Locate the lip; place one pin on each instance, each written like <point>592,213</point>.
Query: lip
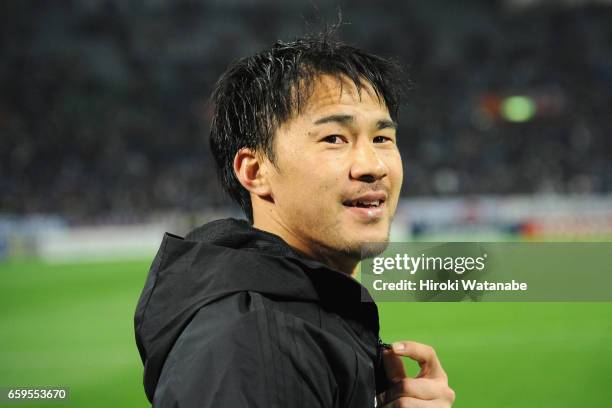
<point>371,213</point>
<point>368,213</point>
<point>370,196</point>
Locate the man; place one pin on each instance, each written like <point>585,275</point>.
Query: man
<point>267,313</point>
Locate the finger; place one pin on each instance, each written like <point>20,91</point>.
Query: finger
<point>394,368</point>
<point>421,388</point>
<point>409,402</point>
<point>423,354</point>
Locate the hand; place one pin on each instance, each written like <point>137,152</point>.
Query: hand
<point>430,387</point>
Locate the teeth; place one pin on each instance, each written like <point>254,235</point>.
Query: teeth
<point>374,203</point>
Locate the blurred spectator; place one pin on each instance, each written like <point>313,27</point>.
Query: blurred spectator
<point>104,104</point>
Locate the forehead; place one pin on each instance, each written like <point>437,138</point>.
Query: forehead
<point>330,92</point>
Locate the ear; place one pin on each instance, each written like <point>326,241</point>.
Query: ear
<point>249,168</point>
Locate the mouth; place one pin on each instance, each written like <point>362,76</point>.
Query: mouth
<point>368,206</point>
<point>359,203</point>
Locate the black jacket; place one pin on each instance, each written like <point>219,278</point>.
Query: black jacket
<point>232,317</point>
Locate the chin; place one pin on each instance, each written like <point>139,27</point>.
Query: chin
<point>372,249</point>
<point>369,243</point>
<point>378,232</point>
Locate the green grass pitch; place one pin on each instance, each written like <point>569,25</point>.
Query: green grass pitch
<point>70,325</point>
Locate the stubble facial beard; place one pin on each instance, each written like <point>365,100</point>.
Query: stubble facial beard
<point>346,249</point>
<point>359,251</point>
<point>372,249</point>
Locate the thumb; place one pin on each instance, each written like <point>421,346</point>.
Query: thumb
<point>394,368</point>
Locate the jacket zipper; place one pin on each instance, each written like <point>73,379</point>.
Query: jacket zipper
<point>379,350</point>
<point>381,380</point>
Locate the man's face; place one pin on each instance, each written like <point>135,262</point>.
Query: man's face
<point>338,170</point>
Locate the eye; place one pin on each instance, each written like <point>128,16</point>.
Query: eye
<point>334,139</point>
<point>382,139</point>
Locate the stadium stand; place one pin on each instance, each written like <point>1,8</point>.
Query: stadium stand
<point>104,105</point>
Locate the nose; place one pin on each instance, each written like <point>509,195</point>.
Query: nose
<point>366,164</point>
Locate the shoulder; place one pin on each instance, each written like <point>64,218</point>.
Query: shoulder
<point>240,343</point>
<point>250,325</point>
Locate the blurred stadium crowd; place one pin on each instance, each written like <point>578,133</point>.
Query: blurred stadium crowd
<point>104,104</point>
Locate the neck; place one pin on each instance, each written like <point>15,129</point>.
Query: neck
<point>335,260</point>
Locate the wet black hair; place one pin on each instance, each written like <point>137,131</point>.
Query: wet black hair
<point>257,94</point>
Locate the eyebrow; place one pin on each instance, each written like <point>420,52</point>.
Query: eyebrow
<point>345,120</point>
<point>348,120</point>
<point>386,123</point>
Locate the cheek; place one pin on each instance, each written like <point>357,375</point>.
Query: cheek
<point>308,179</point>
<point>300,188</point>
<point>396,176</point>
<point>396,170</point>
<point>310,201</point>
<point>318,173</point>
